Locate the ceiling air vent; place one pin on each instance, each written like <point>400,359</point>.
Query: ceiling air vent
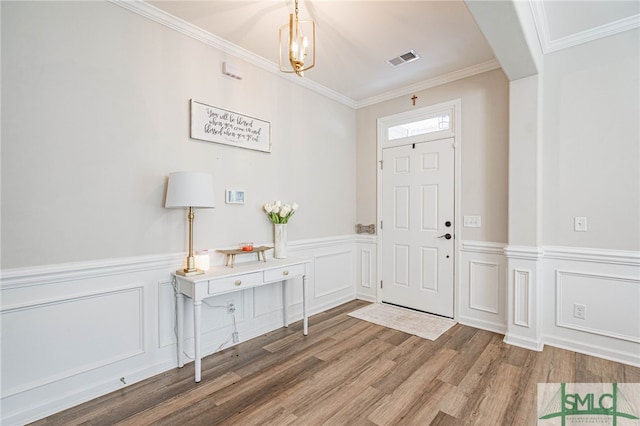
<point>410,56</point>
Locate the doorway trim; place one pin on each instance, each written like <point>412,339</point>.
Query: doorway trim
<point>455,132</point>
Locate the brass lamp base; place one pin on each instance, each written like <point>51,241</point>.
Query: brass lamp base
<point>191,261</point>
<point>188,273</point>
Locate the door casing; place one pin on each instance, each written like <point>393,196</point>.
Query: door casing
<point>383,123</point>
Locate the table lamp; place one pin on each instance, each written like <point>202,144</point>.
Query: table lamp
<point>192,190</point>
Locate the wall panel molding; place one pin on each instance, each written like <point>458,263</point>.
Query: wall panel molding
<point>482,293</point>
<point>522,297</point>
<point>166,297</point>
<point>624,288</point>
<point>322,269</point>
<point>366,271</point>
<point>67,317</point>
<point>367,268</point>
<point>525,302</point>
<point>482,286</point>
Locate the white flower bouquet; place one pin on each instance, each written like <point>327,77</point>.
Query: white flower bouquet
<point>280,213</point>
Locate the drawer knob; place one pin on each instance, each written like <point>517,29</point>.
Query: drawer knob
<point>285,272</point>
<point>238,282</point>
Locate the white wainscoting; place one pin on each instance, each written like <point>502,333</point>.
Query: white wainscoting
<point>73,332</point>
<point>607,284</point>
<point>366,269</point>
<point>482,286</point>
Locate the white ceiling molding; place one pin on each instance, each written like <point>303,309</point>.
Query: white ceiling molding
<point>432,82</point>
<point>552,45</point>
<point>153,13</point>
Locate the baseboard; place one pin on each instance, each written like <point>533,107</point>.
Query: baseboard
<point>524,342</point>
<point>366,298</point>
<point>483,325</point>
<point>330,305</point>
<point>593,350</point>
<point>79,396</point>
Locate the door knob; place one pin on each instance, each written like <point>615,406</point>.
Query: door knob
<point>446,236</point>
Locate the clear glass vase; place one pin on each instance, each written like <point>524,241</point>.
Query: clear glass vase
<point>280,240</point>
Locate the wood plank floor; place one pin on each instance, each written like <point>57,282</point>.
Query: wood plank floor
<point>351,372</point>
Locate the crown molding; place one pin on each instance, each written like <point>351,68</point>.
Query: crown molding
<point>592,34</point>
<point>157,15</point>
<point>151,12</point>
<point>550,45</point>
<point>432,82</point>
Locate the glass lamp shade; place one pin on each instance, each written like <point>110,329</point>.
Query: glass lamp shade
<point>190,189</point>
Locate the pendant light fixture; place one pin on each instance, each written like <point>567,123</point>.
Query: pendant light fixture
<point>296,48</point>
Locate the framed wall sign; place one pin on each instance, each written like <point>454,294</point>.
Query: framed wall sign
<point>212,124</point>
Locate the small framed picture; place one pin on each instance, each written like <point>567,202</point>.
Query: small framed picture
<point>234,196</point>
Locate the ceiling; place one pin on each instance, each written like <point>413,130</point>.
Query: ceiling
<point>355,38</point>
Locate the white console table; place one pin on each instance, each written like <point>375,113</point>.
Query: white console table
<point>222,280</point>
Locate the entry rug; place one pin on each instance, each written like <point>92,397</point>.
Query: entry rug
<point>417,323</point>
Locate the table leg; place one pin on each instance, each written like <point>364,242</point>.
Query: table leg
<point>197,313</point>
<point>305,320</point>
<point>285,302</point>
<point>180,327</point>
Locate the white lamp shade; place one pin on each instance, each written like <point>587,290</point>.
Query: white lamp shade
<point>190,189</point>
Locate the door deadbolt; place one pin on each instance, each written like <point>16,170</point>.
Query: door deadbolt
<point>447,224</point>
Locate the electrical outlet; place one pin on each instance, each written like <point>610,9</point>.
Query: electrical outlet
<point>472,221</point>
<point>231,308</point>
<point>580,224</point>
<point>235,337</point>
<point>579,311</point>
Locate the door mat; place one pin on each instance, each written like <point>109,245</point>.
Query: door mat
<point>405,320</point>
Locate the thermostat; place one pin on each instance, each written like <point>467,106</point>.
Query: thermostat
<point>234,196</point>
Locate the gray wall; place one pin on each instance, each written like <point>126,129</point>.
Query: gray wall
<point>484,140</point>
<point>95,103</point>
<point>592,143</point>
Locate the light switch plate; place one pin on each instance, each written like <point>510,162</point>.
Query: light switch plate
<point>472,221</point>
<point>580,224</point>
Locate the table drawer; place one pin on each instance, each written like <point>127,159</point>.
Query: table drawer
<point>283,273</point>
<point>222,285</point>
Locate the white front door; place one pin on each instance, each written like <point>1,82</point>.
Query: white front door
<point>418,229</point>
